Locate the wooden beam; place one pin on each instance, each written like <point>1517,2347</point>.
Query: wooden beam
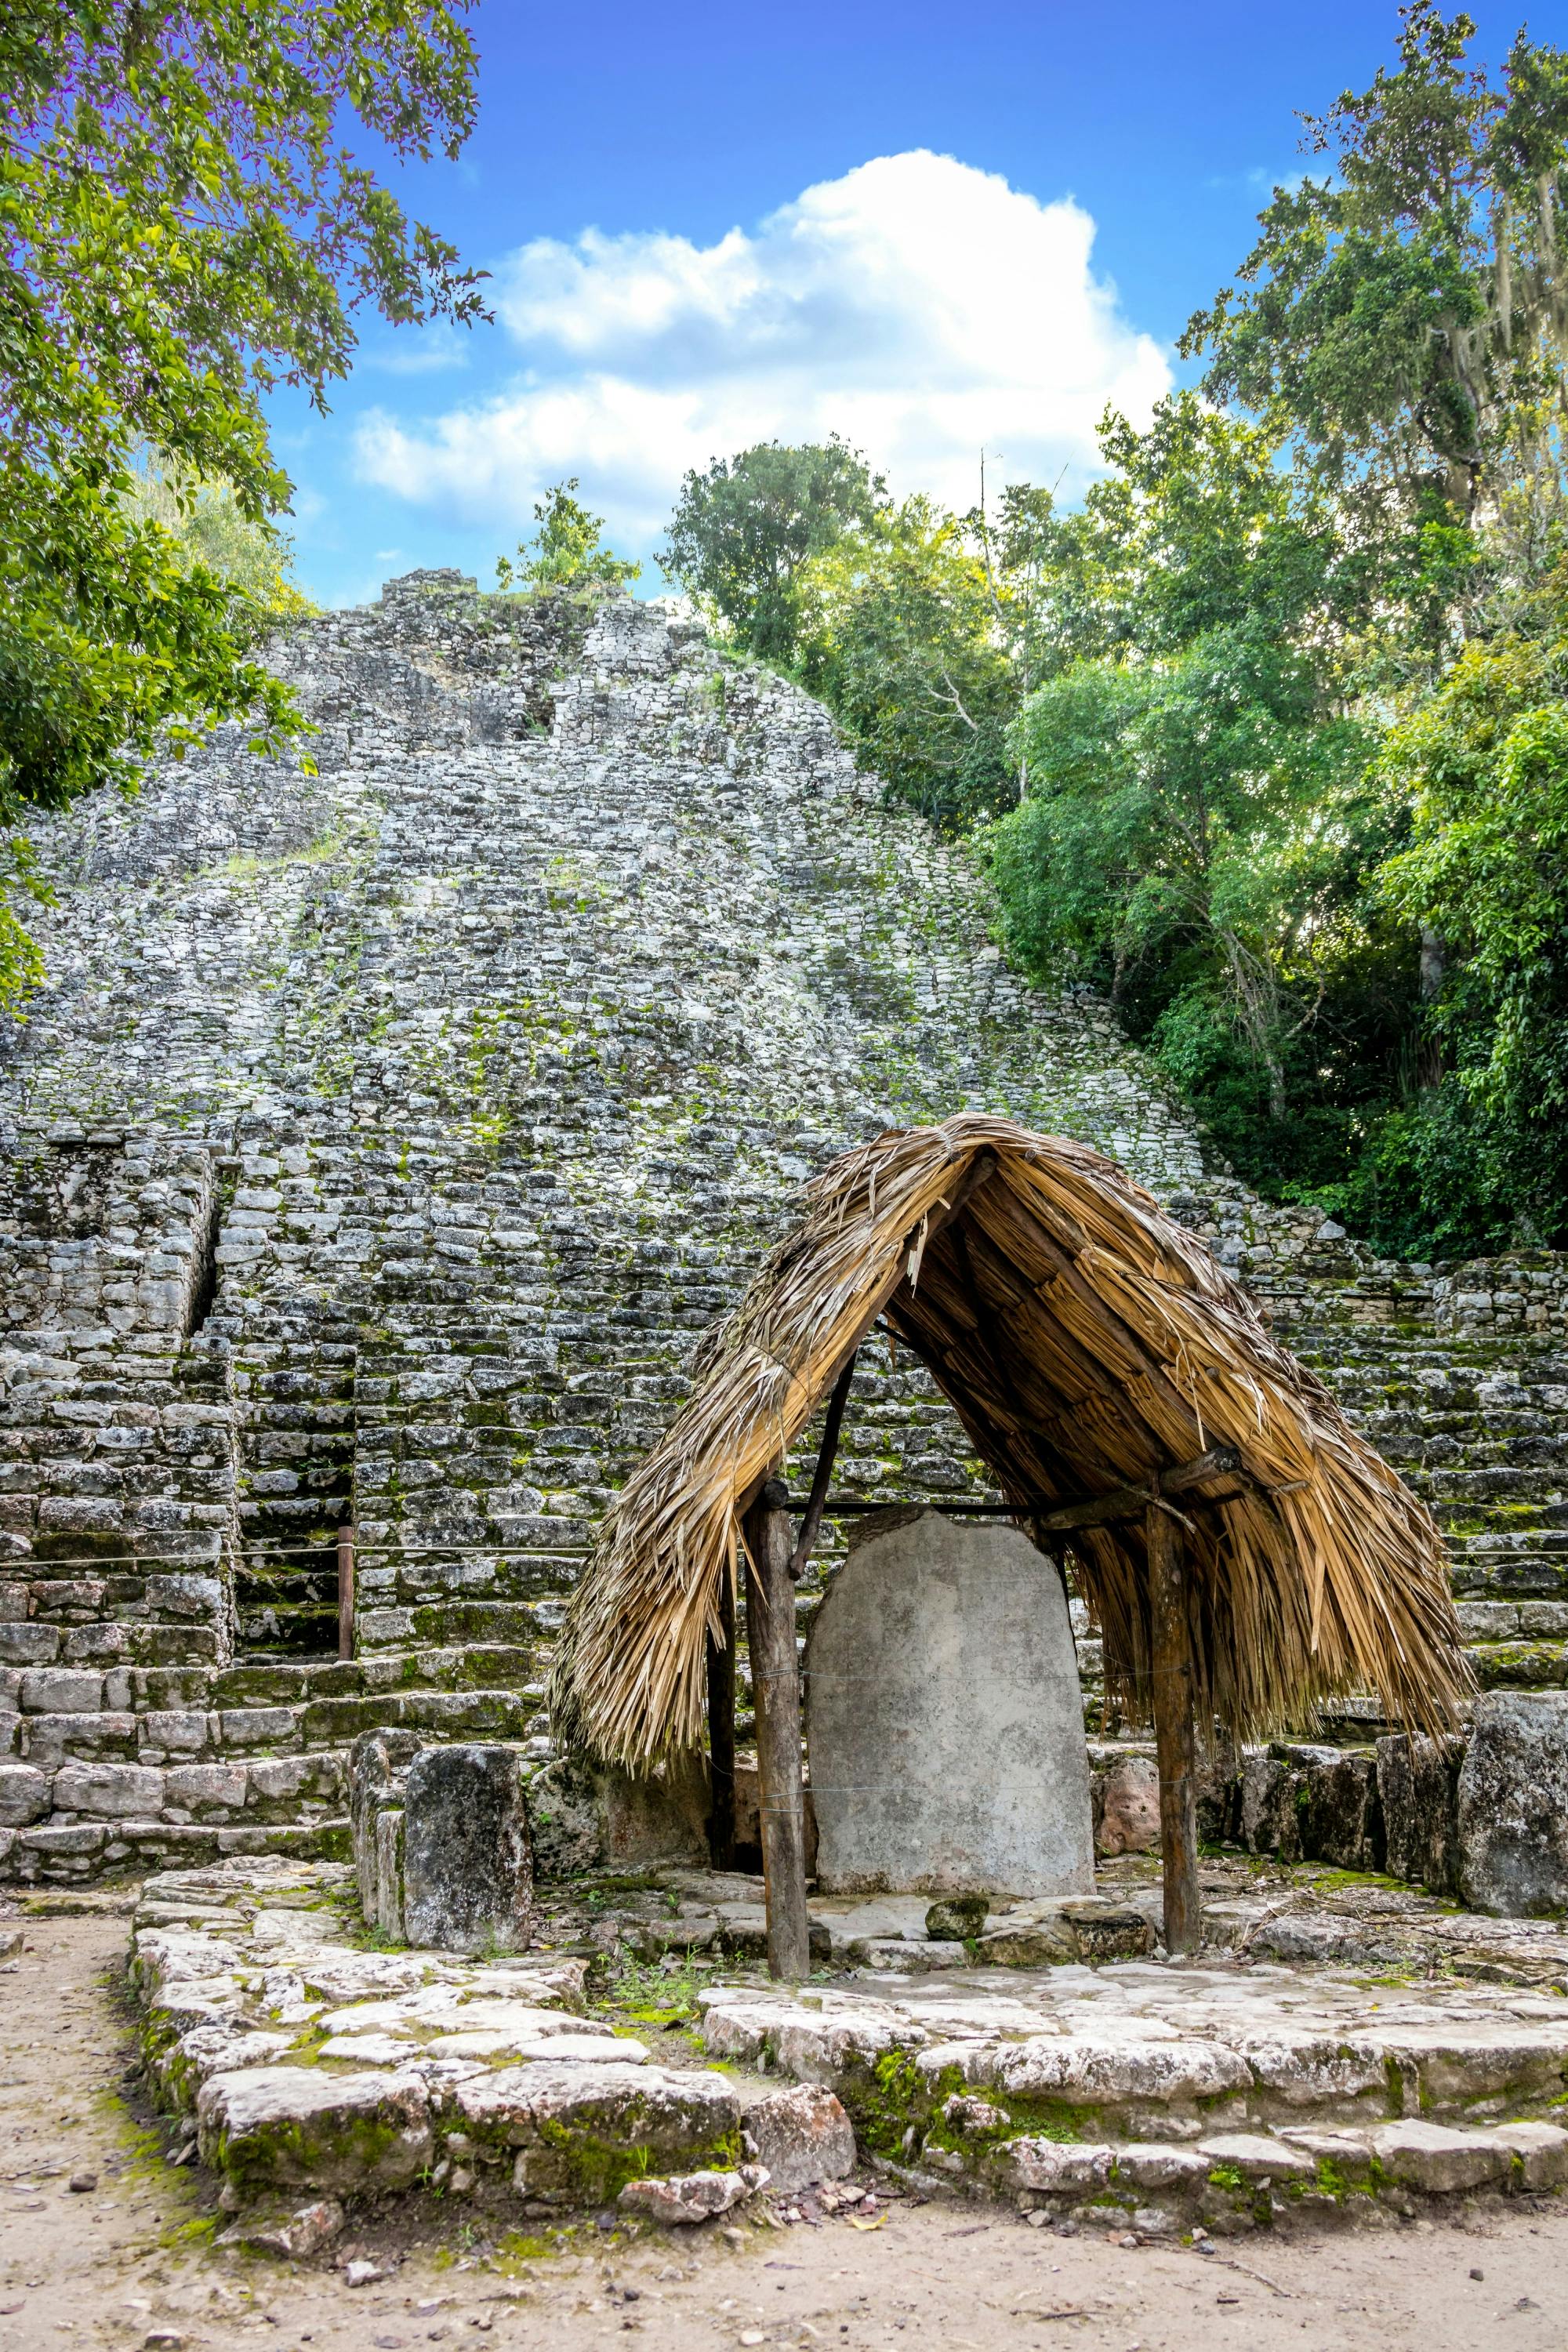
<point>775,1685</point>
<point>811,1524</point>
<point>1129,1502</point>
<point>1175,1729</point>
<point>721,1734</point>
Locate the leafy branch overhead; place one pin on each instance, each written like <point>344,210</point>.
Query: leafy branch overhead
<point>182,231</point>
<point>1268,737</point>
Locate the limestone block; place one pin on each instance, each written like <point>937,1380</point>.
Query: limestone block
<point>577,2127</point>
<point>24,1795</point>
<point>944,1717</point>
<point>1419,1792</point>
<point>1256,2156</point>
<point>1100,2071</point>
<point>1540,2151</point>
<point>1343,1815</point>
<point>386,1908</point>
<point>25,1644</point>
<point>180,1731</point>
<point>121,1791</point>
<point>585,1818</point>
<point>1513,1805</point>
<point>691,2196</point>
<point>61,1690</point>
<point>1433,2158</point>
<point>1271,1814</point>
<point>202,1788</point>
<point>1154,2164</point>
<point>468,1865</point>
<point>1055,2165</point>
<point>377,1763</point>
<point>800,2134</point>
<point>300,2127</point>
<point>1127,1811</point>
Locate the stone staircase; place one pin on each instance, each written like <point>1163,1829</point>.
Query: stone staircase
<point>455,1088</point>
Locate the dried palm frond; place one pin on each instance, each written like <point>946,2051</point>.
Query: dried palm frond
<point>1087,1342</point>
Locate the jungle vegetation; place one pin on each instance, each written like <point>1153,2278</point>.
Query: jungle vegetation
<point>1268,737</point>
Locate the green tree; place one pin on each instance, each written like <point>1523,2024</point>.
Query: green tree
<point>567,550</point>
<point>1407,311</point>
<point>743,531</point>
<point>207,527</point>
<point>1483,763</point>
<point>895,630</point>
<point>180,233</point>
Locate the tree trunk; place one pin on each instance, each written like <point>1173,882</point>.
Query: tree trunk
<point>722,1737</point>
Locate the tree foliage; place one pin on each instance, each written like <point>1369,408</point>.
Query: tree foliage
<point>895,629</point>
<point>743,532</point>
<point>180,233</point>
<point>567,550</point>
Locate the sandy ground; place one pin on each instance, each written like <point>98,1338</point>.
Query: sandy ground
<point>127,2263</point>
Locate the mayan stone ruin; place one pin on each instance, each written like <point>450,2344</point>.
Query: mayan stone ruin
<point>390,1128</point>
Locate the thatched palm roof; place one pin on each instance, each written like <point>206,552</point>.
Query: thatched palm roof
<point>1088,1344</point>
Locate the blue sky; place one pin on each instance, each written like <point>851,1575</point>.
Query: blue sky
<point>936,229</point>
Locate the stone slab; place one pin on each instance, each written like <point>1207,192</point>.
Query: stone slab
<point>467,1865</point>
<point>945,1719</point>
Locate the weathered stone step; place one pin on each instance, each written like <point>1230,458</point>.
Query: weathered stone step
<point>70,1854</point>
<point>1520,1666</point>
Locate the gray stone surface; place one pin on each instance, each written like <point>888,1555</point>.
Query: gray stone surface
<point>1513,1805</point>
<point>1418,1793</point>
<point>800,2134</point>
<point>945,1717</point>
<point>468,1867</point>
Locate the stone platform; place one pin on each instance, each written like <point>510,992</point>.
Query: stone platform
<point>310,2067</point>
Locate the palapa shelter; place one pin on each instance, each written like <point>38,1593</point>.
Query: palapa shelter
<point>1238,1545</point>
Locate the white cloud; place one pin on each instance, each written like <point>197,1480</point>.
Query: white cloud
<point>921,307</point>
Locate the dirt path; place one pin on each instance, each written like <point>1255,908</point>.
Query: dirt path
<point>126,2263</point>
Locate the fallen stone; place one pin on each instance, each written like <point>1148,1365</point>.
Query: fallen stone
<point>1128,1808</point>
<point>802,2134</point>
<point>1513,1805</point>
<point>296,2235</point>
<point>468,1865</point>
<point>954,1918</point>
<point>1431,2156</point>
<point>691,2196</point>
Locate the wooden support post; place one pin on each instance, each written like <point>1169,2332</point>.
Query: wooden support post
<point>345,1592</point>
<point>811,1526</point>
<point>1175,1730</point>
<point>722,1735</point>
<point>775,1684</point>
